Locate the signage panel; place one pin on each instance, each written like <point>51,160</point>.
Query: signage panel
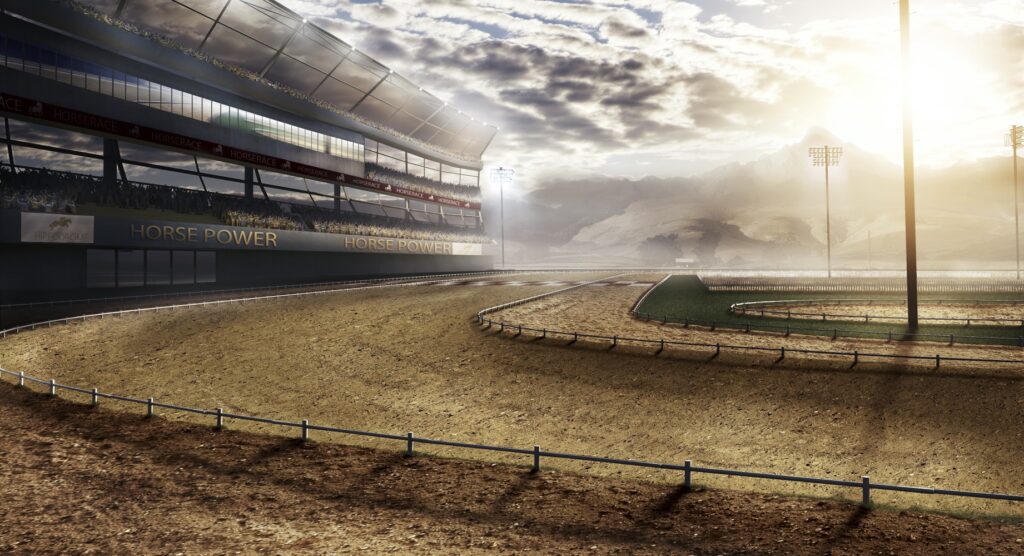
<point>39,227</point>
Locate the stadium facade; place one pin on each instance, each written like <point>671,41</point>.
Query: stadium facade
<point>168,144</point>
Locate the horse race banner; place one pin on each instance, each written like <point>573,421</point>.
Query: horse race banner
<point>56,228</point>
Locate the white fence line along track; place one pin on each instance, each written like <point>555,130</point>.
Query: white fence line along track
<point>760,308</point>
<point>310,285</point>
<point>865,485</point>
<point>858,284</point>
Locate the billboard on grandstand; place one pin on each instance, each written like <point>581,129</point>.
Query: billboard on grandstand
<point>56,228</point>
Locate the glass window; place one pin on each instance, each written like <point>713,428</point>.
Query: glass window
<point>99,268</point>
<point>184,267</point>
<point>158,268</point>
<point>206,267</point>
<point>131,268</point>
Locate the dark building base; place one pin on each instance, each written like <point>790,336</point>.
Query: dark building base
<point>53,272</point>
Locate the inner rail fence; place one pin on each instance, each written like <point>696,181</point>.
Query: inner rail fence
<point>482,319</point>
<point>765,309</point>
<point>859,284</point>
<point>536,453</point>
<point>836,333</point>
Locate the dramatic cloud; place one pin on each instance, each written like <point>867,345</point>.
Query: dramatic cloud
<point>680,87</point>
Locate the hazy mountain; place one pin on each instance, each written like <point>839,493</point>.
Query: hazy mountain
<point>771,212</point>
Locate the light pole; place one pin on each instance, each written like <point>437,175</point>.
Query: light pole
<point>502,175</point>
<point>826,156</point>
<point>908,168</point>
<point>1016,141</point>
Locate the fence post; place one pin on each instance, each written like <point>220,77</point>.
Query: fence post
<point>950,339</point>
<point>865,498</point>
<point>938,360</point>
<point>305,430</point>
<point>615,341</point>
<point>95,397</point>
<point>21,378</point>
<point>782,353</point>
<point>53,388</point>
<point>544,334</point>
<point>149,407</point>
<point>856,356</point>
<point>408,444</point>
<point>662,348</point>
<point>575,337</point>
<point>536,459</point>
<point>787,330</point>
<point>718,349</point>
<point>220,419</point>
<point>687,465</point>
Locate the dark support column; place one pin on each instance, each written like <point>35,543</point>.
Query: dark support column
<point>111,158</point>
<point>248,182</point>
<point>10,148</point>
<point>337,198</point>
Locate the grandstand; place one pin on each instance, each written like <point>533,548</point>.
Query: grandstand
<point>145,140</point>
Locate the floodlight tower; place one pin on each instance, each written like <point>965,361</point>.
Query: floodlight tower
<point>826,156</point>
<point>910,216</point>
<point>1016,140</point>
<point>503,175</point>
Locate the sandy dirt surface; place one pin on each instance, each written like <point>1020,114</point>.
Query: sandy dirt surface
<point>980,313</point>
<point>410,359</point>
<point>122,484</point>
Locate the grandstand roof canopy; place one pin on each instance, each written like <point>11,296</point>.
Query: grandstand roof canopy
<point>266,38</point>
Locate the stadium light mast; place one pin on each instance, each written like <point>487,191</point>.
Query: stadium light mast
<point>1016,140</point>
<point>502,175</point>
<point>908,168</point>
<point>826,156</point>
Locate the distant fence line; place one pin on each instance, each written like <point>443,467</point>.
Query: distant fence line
<point>310,285</point>
<point>857,284</point>
<point>764,309</point>
<point>482,319</point>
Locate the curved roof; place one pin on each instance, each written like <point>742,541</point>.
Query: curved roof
<point>266,38</point>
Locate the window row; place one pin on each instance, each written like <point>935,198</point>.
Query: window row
<point>98,79</point>
<point>398,159</point>
<point>127,268</point>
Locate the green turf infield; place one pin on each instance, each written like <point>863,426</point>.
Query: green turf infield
<point>684,298</point>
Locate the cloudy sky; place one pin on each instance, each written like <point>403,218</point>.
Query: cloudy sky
<point>669,88</point>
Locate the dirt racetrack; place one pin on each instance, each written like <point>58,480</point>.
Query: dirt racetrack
<point>85,481</point>
<point>409,359</point>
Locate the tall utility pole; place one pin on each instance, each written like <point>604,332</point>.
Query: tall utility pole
<point>908,168</point>
<point>826,156</point>
<point>502,175</point>
<point>1016,141</point>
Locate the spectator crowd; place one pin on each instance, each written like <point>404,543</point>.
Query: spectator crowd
<point>398,178</point>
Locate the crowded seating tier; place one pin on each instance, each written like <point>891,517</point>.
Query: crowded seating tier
<point>398,178</point>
